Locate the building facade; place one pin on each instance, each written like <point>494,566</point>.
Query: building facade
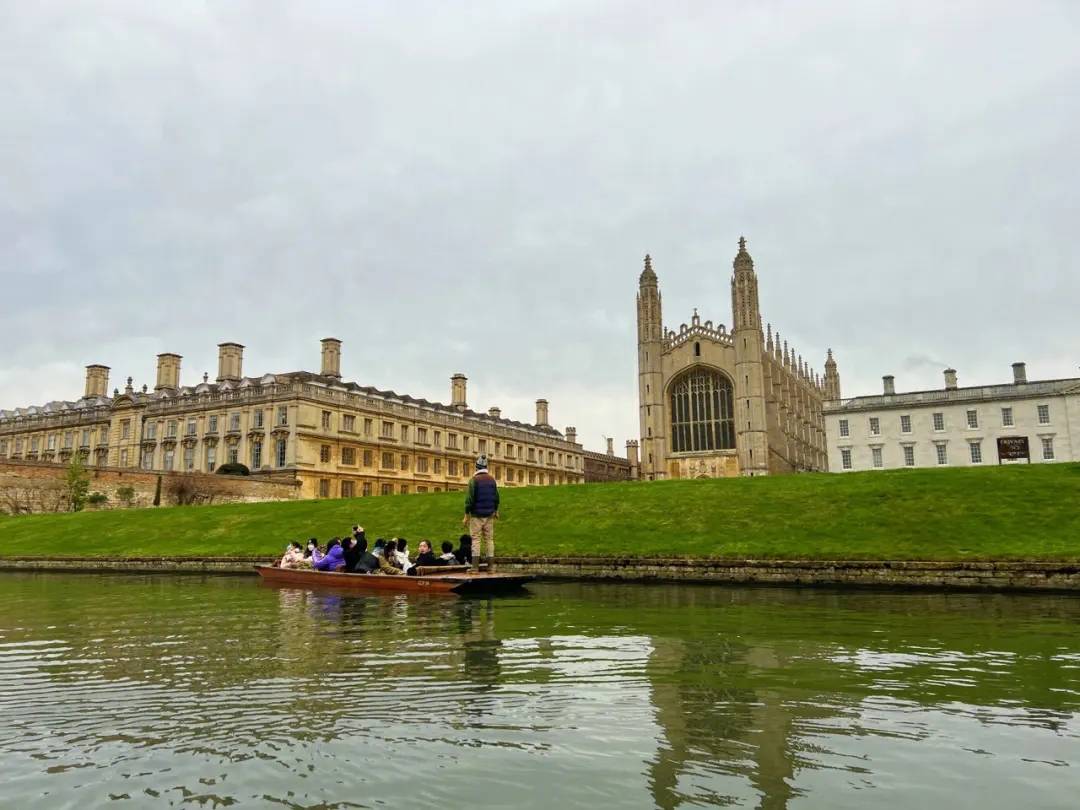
<point>603,467</point>
<point>715,403</point>
<point>335,438</point>
<point>1026,422</point>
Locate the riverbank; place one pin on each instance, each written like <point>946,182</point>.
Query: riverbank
<point>994,514</point>
<point>966,576</point>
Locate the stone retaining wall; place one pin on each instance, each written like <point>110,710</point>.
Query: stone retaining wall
<point>39,486</point>
<point>1023,576</point>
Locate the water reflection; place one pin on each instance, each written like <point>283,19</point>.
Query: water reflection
<point>220,690</point>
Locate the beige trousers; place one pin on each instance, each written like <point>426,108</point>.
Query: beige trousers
<point>482,530</point>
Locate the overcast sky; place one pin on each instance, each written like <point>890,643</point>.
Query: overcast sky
<point>453,186</point>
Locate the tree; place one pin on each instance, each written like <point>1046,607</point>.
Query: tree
<point>77,483</point>
<point>157,492</point>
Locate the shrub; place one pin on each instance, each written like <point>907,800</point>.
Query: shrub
<point>97,498</point>
<point>233,468</point>
<point>77,483</point>
<point>126,495</point>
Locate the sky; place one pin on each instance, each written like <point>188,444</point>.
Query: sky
<point>472,186</point>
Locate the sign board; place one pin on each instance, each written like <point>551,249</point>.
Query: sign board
<point>1013,448</point>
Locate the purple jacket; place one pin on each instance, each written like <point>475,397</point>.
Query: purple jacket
<point>332,561</point>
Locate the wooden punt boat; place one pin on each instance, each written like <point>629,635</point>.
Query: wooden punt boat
<point>455,580</point>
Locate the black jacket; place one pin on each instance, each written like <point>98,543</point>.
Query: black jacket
<point>367,563</point>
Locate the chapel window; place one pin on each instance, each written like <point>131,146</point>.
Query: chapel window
<point>702,412</point>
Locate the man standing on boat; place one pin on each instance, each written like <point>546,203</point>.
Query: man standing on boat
<point>481,511</point>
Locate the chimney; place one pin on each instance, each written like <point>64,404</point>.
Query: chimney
<point>458,390</point>
<point>1019,373</point>
<point>611,447</point>
<point>331,358</point>
<point>571,435</point>
<point>950,379</point>
<point>168,371</point>
<point>542,413</point>
<point>97,381</point>
<point>495,412</point>
<point>632,452</point>
<point>230,361</point>
<point>889,384</point>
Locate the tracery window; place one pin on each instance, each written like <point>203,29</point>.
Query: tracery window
<point>702,412</point>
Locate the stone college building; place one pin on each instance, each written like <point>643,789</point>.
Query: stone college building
<point>715,403</point>
<point>333,438</point>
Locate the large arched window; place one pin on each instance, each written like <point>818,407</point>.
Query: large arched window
<point>702,412</point>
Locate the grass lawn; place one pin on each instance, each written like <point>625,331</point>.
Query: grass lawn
<point>994,513</point>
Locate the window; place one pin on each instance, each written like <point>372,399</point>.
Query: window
<point>875,455</point>
<point>509,450</point>
<point>844,429</point>
<point>348,455</point>
<point>1006,417</point>
<point>211,459</point>
<point>451,467</point>
<point>388,430</point>
<point>942,453</point>
<point>905,423</point>
<point>348,489</point>
<point>388,461</point>
<point>532,454</point>
<point>326,420</point>
<point>365,489</point>
<point>404,489</point>
<point>125,429</point>
<point>437,439</point>
<point>283,415</point>
<point>279,452</point>
<point>404,433</point>
<point>845,458</point>
<point>169,455</point>
<point>211,425</point>
<point>1044,414</point>
<point>369,458</point>
<point>875,426</point>
<point>437,466</point>
<point>387,489</point>
<point>148,459</point>
<point>702,413</point>
<point>257,417</point>
<point>451,441</point>
<point>123,458</point>
<point>909,456</point>
<point>1048,448</point>
<point>34,443</point>
<point>404,463</point>
<point>256,455</point>
<point>234,422</point>
<point>483,445</point>
<point>189,459</point>
<point>324,487</point>
<point>421,464</point>
<point>532,476</point>
<point>421,490</point>
<point>939,422</point>
<point>421,436</point>
<point>551,457</point>
<point>233,455</point>
<point>324,453</point>
<point>697,350</point>
<point>103,436</point>
<point>170,428</point>
<point>973,419</point>
<point>976,452</point>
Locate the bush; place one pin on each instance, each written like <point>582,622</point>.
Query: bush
<point>233,468</point>
<point>97,498</point>
<point>126,495</point>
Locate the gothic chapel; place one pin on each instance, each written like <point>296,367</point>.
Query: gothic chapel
<point>715,403</point>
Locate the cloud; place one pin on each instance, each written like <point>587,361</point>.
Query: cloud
<point>472,189</point>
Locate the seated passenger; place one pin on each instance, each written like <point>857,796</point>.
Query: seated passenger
<point>294,556</point>
<point>447,557</point>
<point>312,553</point>
<point>380,547</point>
<point>402,554</point>
<point>334,559</point>
<point>388,565</point>
<point>425,557</point>
<point>351,549</point>
<point>366,563</point>
<point>464,552</point>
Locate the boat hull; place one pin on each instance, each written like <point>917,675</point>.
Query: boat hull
<point>456,583</point>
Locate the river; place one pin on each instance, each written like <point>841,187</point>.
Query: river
<point>170,691</point>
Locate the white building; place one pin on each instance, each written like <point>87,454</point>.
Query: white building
<point>956,427</point>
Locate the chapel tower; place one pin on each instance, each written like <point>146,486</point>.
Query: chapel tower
<point>832,378</point>
<point>650,374</point>
<point>751,427</point>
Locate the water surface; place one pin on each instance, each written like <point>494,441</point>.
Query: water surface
<point>144,691</point>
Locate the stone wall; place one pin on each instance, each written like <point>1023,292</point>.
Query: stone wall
<point>986,576</point>
<point>39,486</point>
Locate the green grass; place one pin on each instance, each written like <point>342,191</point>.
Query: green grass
<point>996,513</point>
